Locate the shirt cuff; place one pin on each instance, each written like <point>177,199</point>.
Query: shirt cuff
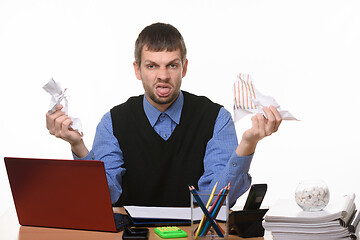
<point>238,165</point>
<point>90,156</point>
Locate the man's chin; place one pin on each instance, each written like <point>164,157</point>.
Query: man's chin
<point>164,100</point>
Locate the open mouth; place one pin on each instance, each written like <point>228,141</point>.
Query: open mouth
<point>163,91</point>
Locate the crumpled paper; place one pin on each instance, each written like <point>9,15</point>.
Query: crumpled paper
<point>248,100</point>
<point>57,97</point>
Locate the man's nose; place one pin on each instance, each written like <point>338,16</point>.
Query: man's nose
<point>163,73</point>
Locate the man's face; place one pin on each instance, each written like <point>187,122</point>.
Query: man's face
<point>161,74</point>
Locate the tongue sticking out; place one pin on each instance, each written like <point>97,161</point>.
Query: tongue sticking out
<point>163,91</point>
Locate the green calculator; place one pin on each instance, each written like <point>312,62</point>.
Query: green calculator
<point>170,232</point>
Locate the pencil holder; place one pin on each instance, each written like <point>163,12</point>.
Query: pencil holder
<point>217,207</point>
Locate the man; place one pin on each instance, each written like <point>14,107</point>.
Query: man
<point>156,144</point>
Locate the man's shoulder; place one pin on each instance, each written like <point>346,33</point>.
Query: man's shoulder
<point>192,98</point>
<point>131,101</point>
<point>200,106</point>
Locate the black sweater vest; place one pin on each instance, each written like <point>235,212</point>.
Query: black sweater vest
<point>158,172</point>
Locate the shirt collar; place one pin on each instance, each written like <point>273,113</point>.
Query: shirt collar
<point>174,111</point>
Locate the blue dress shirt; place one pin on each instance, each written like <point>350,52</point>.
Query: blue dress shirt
<point>221,163</point>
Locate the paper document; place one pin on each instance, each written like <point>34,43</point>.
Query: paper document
<point>303,236</point>
<point>248,100</point>
<point>286,220</point>
<point>58,96</point>
<point>183,213</point>
<point>286,210</point>
<point>316,228</point>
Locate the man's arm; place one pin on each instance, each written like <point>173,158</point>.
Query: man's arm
<point>221,163</point>
<point>225,160</point>
<point>58,125</point>
<point>105,148</point>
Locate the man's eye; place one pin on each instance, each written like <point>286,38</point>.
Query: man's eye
<point>150,66</point>
<point>173,65</point>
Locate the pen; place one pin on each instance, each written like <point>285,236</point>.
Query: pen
<point>206,212</point>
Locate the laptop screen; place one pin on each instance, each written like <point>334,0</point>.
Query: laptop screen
<point>61,193</point>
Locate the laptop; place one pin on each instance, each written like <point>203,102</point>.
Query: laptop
<point>71,194</point>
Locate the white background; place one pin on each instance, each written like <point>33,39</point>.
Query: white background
<point>304,53</point>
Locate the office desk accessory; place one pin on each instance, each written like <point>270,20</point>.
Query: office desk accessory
<point>248,222</point>
<point>255,197</point>
<point>354,226</point>
<point>211,197</point>
<point>144,216</point>
<point>212,222</point>
<point>205,211</point>
<point>287,221</point>
<point>170,232</point>
<point>158,222</point>
<point>312,195</point>
<point>135,234</point>
<point>62,194</point>
<point>215,208</point>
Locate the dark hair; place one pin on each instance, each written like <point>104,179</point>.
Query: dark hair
<point>159,37</point>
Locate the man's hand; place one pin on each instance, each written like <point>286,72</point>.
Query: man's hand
<point>58,125</point>
<point>261,127</point>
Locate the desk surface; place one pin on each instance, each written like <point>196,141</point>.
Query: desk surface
<point>11,230</point>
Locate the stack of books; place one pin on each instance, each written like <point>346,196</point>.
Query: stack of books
<point>338,220</point>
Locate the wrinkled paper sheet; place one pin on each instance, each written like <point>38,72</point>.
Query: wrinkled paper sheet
<point>57,97</point>
<point>248,100</point>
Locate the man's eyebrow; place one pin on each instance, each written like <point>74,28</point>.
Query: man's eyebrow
<point>175,60</point>
<point>149,62</point>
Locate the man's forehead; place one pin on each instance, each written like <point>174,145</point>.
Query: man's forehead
<point>150,55</point>
<point>147,49</point>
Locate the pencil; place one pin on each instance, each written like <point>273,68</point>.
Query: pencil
<point>207,206</point>
<point>215,209</point>
<point>207,226</point>
<point>212,208</point>
<point>206,212</point>
<point>217,199</point>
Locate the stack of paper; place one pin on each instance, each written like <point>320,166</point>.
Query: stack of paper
<point>286,220</point>
<point>183,213</point>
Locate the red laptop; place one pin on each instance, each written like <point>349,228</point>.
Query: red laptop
<point>62,193</point>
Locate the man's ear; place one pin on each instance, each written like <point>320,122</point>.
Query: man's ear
<point>137,70</point>
<point>184,68</point>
